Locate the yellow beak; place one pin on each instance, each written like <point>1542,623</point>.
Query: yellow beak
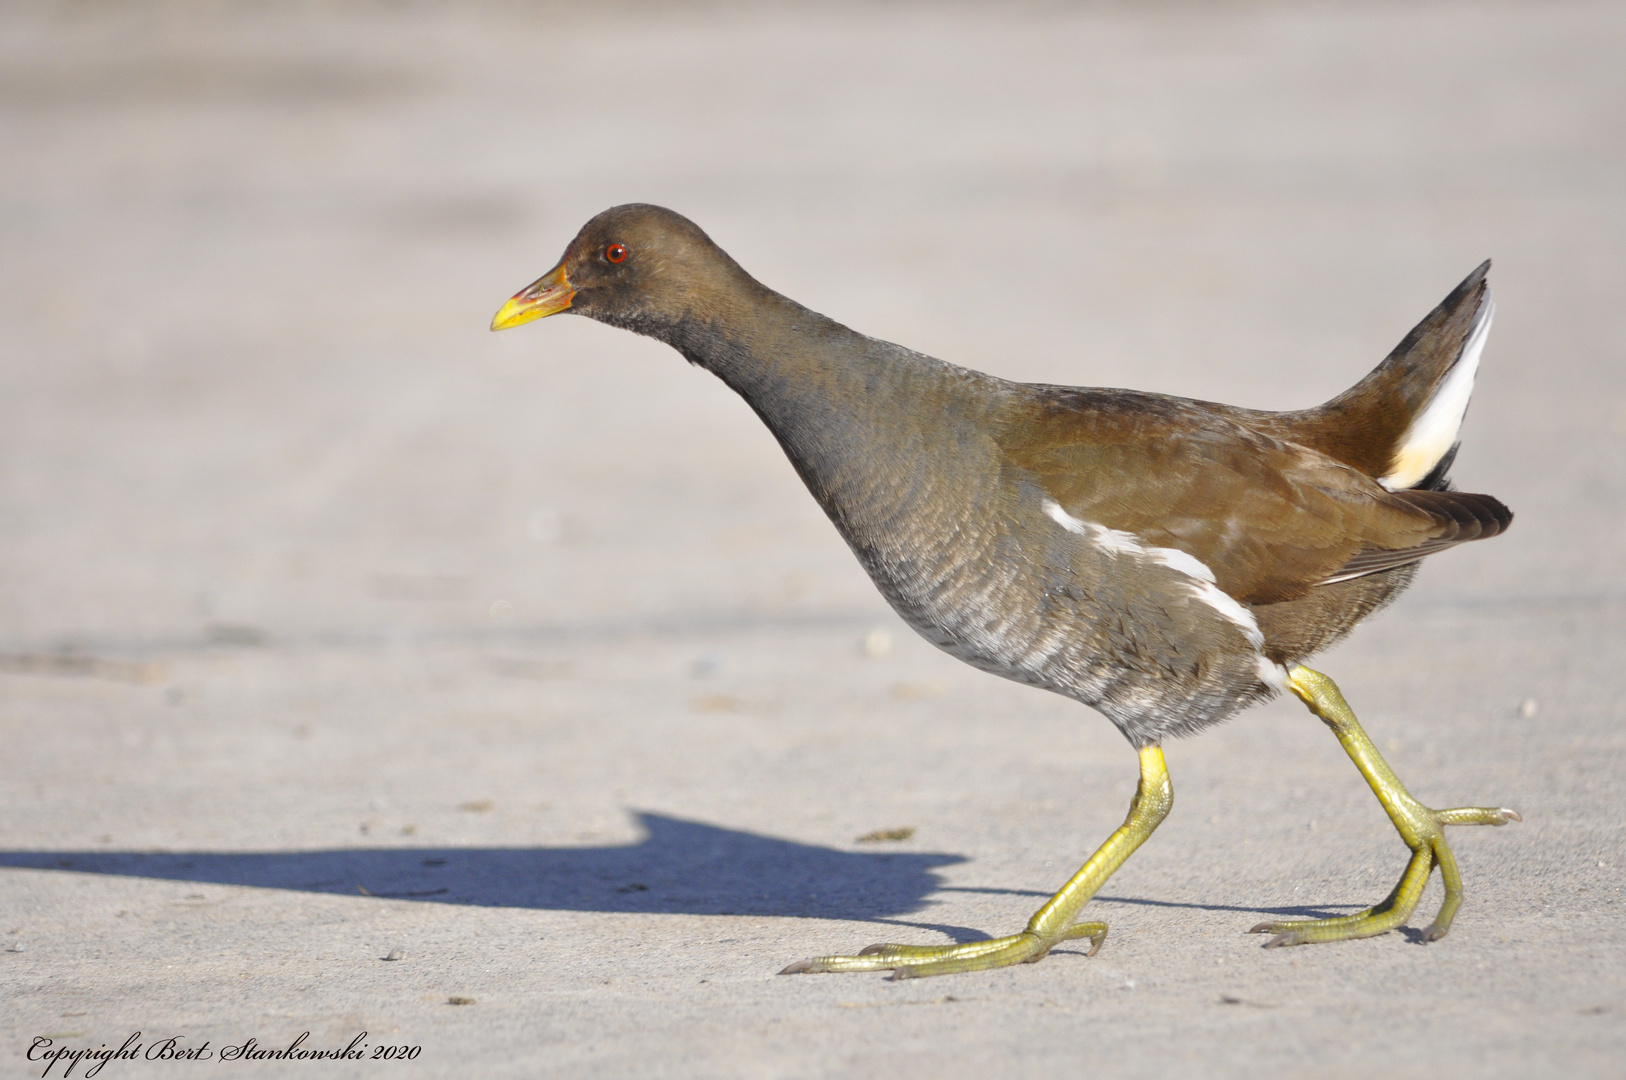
<point>547,295</point>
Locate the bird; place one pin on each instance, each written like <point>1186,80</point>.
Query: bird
<point>1166,561</point>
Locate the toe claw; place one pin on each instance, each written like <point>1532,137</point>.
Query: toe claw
<point>797,968</point>
<point>1285,938</point>
<point>1512,815</point>
<point>871,950</point>
<point>1095,931</point>
<point>1263,928</point>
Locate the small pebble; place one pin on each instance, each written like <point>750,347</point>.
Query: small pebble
<point>1529,708</point>
<point>883,835</point>
<point>394,954</point>
<point>460,1001</point>
<point>705,664</point>
<point>877,643</point>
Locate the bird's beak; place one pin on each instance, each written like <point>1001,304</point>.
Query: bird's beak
<point>547,295</point>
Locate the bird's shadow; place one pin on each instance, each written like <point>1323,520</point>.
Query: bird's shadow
<point>679,867</point>
<point>1294,911</point>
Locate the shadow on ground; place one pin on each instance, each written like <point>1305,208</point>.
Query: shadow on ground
<point>681,867</point>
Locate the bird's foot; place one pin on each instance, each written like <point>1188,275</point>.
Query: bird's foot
<point>1051,924</point>
<point>916,961</point>
<point>1422,828</point>
<point>1424,832</point>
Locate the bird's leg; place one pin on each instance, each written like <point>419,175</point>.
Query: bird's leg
<point>1421,828</point>
<point>1051,924</point>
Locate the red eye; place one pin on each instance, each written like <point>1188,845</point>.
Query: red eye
<point>616,252</point>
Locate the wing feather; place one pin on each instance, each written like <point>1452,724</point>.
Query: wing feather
<point>1271,518</point>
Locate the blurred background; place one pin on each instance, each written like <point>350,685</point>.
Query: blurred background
<point>296,555</point>
<point>251,248</point>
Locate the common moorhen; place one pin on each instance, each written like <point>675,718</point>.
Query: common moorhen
<point>1163,560</point>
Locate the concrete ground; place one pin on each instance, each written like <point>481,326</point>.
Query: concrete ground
<point>335,628</point>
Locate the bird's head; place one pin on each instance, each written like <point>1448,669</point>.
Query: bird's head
<point>637,266</point>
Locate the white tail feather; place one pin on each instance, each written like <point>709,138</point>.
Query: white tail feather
<point>1434,430</point>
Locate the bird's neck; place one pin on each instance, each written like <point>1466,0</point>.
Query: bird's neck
<point>798,369</point>
<point>865,422</point>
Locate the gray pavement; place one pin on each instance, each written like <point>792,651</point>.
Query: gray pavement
<point>333,627</point>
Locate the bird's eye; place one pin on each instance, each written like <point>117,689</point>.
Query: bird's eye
<point>616,252</point>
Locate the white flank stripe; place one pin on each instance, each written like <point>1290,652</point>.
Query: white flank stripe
<point>1434,430</point>
<point>1114,540</point>
<point>1187,564</point>
<point>1274,675</point>
<point>1228,605</point>
<point>1202,580</point>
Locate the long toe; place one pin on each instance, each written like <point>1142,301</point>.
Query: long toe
<point>915,961</point>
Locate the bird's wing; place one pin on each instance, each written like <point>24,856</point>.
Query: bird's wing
<point>1271,519</point>
<point>1462,516</point>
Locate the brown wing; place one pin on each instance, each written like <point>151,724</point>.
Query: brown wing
<point>1464,516</point>
<point>1271,518</point>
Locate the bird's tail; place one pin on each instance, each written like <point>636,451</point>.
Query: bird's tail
<point>1400,423</point>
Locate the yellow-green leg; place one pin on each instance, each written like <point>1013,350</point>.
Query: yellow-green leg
<point>1421,828</point>
<point>1050,925</point>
